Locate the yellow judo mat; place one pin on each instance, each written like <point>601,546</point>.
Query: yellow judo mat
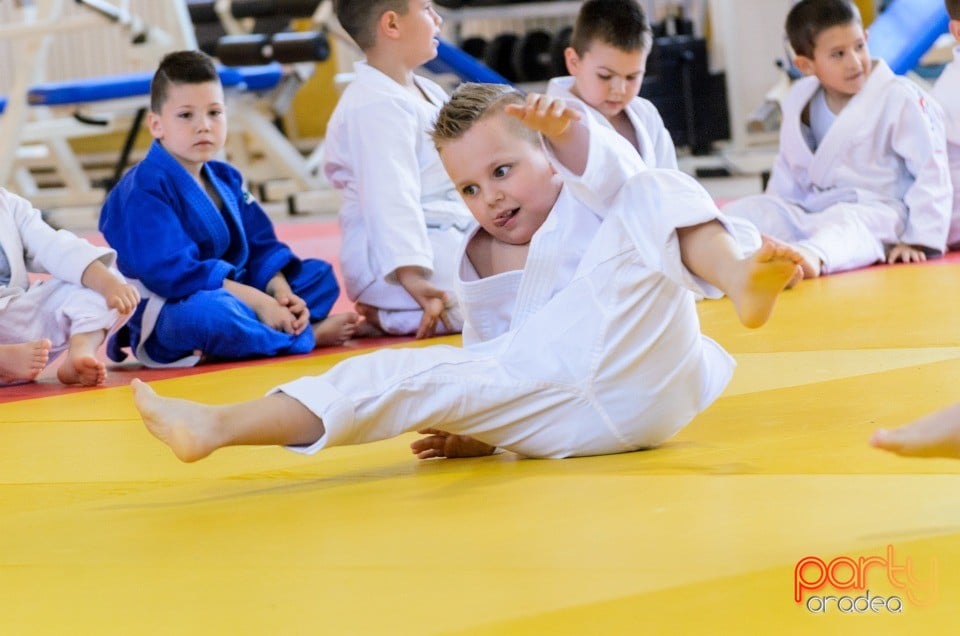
<point>771,494</point>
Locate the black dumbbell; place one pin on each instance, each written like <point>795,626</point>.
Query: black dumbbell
<point>499,55</point>
<point>474,46</point>
<point>531,56</point>
<point>560,43</point>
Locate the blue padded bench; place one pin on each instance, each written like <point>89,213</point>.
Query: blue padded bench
<point>96,89</point>
<point>906,30</point>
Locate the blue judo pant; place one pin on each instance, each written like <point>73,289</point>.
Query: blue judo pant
<point>219,325</point>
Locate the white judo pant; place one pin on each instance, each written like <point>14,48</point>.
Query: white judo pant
<point>844,236</point>
<point>614,362</point>
<point>56,310</point>
<point>399,313</point>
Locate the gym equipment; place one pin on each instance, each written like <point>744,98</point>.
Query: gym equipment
<point>476,47</point>
<point>691,100</point>
<point>204,11</point>
<point>499,55</point>
<point>532,61</point>
<point>450,59</point>
<point>904,31</point>
<point>560,43</point>
<point>287,48</point>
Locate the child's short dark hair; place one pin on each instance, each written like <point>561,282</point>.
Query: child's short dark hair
<point>809,18</point>
<point>180,67</point>
<point>359,17</point>
<point>472,102</point>
<point>953,8</point>
<point>621,24</point>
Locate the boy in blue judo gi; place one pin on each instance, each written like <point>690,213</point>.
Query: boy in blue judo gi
<point>215,281</point>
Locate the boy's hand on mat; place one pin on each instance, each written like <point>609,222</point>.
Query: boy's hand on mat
<point>442,444</point>
<point>550,116</point>
<point>905,253</point>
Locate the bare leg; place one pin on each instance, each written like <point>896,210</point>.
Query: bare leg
<point>23,361</point>
<point>753,283</point>
<point>335,329</point>
<point>193,430</point>
<point>934,435</point>
<point>82,366</point>
<point>439,443</point>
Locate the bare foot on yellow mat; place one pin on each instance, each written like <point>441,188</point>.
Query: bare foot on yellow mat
<point>934,435</point>
<point>84,370</point>
<point>370,323</point>
<point>23,361</point>
<point>188,428</point>
<point>763,275</point>
<point>335,329</point>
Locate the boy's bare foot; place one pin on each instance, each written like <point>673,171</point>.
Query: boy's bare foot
<point>186,427</point>
<point>84,370</point>
<point>335,329</point>
<point>934,435</point>
<point>442,444</point>
<point>811,263</point>
<point>23,361</point>
<point>370,325</point>
<point>764,275</point>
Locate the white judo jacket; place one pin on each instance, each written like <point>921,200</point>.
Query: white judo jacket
<point>887,147</point>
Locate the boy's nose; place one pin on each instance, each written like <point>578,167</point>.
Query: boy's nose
<point>494,197</point>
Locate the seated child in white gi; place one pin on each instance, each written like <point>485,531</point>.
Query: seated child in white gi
<point>862,173</point>
<point>607,59</point>
<point>613,361</point>
<point>218,283</point>
<point>401,219</point>
<point>72,311</point>
<point>947,92</point>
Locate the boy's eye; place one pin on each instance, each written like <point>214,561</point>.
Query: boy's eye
<point>469,191</point>
<point>501,171</point>
<point>605,78</point>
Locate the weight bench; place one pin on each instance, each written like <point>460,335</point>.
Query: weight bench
<point>134,88</point>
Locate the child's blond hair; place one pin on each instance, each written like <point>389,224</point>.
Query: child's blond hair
<point>472,102</point>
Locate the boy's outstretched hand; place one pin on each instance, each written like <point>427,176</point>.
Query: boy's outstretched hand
<point>550,116</point>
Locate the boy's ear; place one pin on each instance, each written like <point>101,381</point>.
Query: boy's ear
<point>154,125</point>
<point>389,24</point>
<point>955,29</point>
<point>572,60</point>
<point>804,64</point>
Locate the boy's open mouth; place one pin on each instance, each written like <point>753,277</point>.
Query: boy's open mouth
<point>505,216</point>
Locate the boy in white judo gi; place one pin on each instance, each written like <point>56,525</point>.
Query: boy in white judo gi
<point>401,220</point>
<point>862,174</point>
<point>611,361</point>
<point>947,93</point>
<point>72,311</point>
<point>217,283</point>
<point>607,59</point>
